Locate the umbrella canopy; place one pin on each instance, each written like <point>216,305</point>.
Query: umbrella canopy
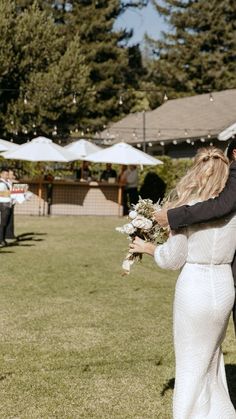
<point>40,149</point>
<point>123,153</point>
<point>7,145</point>
<point>82,148</point>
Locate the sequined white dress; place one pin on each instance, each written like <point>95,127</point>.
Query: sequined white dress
<point>203,301</point>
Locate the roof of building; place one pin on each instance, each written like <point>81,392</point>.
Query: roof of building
<point>178,119</point>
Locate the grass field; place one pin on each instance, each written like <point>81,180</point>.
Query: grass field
<point>78,340</point>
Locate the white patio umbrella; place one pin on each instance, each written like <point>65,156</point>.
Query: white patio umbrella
<point>82,148</point>
<point>40,149</point>
<point>7,145</point>
<point>122,153</point>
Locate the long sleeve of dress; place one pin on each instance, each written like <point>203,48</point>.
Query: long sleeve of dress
<point>208,210</point>
<point>173,253</point>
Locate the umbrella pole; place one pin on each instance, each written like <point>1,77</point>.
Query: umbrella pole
<point>40,196</point>
<point>120,201</point>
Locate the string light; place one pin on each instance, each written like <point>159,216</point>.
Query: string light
<point>120,101</point>
<point>162,143</point>
<point>186,132</point>
<point>202,140</point>
<point>165,98</point>
<point>174,142</point>
<point>211,97</point>
<point>74,101</point>
<point>150,144</point>
<point>25,100</point>
<point>188,141</point>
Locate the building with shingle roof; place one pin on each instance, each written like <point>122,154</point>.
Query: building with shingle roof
<point>179,126</point>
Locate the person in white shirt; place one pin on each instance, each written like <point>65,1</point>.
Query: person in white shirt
<point>5,204</point>
<point>129,178</point>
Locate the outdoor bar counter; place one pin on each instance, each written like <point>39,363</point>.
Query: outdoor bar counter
<point>70,197</point>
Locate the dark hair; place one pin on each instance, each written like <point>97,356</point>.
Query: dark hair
<point>4,169</point>
<point>230,149</point>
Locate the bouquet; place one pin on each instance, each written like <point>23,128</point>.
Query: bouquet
<point>142,224</point>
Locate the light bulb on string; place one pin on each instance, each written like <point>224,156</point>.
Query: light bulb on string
<point>202,140</point>
<point>139,145</point>
<point>188,141</point>
<point>74,101</point>
<point>174,142</point>
<point>165,97</point>
<point>159,133</point>
<point>209,135</point>
<point>211,97</point>
<point>25,100</point>
<point>186,132</point>
<point>54,132</point>
<point>150,144</point>
<point>120,101</point>
<point>192,142</point>
<point>162,143</point>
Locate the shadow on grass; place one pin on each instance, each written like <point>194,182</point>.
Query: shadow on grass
<point>231,380</point>
<point>169,385</point>
<point>25,237</point>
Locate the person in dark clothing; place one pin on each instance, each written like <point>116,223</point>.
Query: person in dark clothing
<point>5,205</point>
<point>108,173</point>
<point>10,225</point>
<point>153,187</point>
<point>84,172</point>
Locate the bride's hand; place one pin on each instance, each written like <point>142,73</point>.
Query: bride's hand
<point>140,246</point>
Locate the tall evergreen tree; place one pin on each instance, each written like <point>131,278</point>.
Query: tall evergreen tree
<point>38,84</point>
<point>198,54</point>
<point>115,70</point>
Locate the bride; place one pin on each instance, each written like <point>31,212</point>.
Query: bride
<point>204,294</point>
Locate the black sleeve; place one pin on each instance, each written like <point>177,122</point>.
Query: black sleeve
<point>209,210</point>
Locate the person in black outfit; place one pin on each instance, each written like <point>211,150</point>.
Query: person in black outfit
<point>84,172</point>
<point>10,225</point>
<point>5,205</point>
<point>108,173</point>
<point>212,209</point>
<point>153,187</point>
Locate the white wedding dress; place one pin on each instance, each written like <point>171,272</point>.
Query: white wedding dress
<point>204,298</point>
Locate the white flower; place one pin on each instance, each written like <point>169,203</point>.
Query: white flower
<point>141,222</point>
<point>133,214</point>
<point>126,229</point>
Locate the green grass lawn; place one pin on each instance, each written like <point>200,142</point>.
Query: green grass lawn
<point>78,340</point>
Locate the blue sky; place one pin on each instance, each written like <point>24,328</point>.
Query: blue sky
<point>141,21</point>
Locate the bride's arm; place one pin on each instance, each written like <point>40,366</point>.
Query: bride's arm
<point>170,255</point>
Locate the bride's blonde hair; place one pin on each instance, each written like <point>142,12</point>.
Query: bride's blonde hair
<point>206,178</point>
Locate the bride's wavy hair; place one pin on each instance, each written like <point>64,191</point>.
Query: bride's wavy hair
<point>205,179</point>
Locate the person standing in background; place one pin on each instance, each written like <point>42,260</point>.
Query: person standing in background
<point>129,178</point>
<point>108,173</point>
<point>84,173</point>
<point>153,187</point>
<point>5,205</point>
<point>10,225</point>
